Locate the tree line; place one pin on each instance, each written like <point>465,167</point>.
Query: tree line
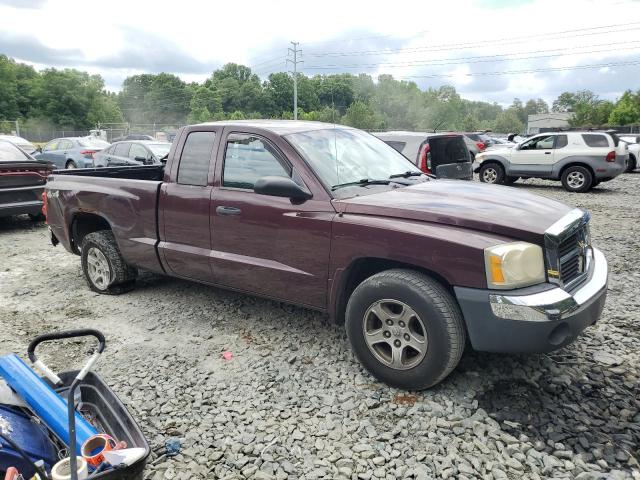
<point>76,100</point>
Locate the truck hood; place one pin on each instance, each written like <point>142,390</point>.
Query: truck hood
<point>502,210</point>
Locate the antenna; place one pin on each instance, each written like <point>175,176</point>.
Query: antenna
<point>295,51</point>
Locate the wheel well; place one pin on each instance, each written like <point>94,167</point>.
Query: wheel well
<point>363,268</point>
<point>578,164</point>
<point>84,224</point>
<point>492,161</point>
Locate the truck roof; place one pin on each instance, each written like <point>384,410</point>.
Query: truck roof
<point>279,127</point>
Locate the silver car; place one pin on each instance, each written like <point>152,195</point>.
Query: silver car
<point>72,152</point>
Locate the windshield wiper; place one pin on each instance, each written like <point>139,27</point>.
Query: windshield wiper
<point>361,182</point>
<point>407,174</point>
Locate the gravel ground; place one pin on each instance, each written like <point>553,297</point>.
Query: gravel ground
<point>293,402</point>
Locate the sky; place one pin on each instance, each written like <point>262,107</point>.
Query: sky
<point>490,50</point>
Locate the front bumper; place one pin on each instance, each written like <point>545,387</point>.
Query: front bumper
<point>541,318</point>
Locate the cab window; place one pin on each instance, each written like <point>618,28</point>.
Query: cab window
<point>196,158</point>
<point>248,158</point>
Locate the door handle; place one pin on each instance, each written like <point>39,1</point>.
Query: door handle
<point>547,153</point>
<point>226,211</point>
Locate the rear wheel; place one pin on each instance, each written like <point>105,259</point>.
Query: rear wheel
<point>492,173</point>
<point>405,328</point>
<point>104,268</point>
<point>577,179</point>
<point>631,164</point>
<point>71,164</point>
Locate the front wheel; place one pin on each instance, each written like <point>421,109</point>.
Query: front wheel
<point>104,268</point>
<point>577,179</point>
<point>71,164</point>
<point>405,328</point>
<point>492,173</point>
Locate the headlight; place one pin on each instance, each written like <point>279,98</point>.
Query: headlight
<point>513,265</point>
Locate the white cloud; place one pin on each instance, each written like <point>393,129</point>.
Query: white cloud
<point>191,38</point>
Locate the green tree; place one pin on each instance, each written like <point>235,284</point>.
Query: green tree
<point>361,115</point>
<point>626,110</point>
<point>508,122</point>
<point>204,104</point>
<point>167,100</point>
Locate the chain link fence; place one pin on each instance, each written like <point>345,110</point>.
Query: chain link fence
<point>111,132</point>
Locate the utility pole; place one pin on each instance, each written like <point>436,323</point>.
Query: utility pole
<point>295,51</point>
<point>17,128</point>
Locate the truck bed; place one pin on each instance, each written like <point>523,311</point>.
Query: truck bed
<point>143,172</point>
<point>123,199</point>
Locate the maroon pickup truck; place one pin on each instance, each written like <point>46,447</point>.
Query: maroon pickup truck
<point>334,219</point>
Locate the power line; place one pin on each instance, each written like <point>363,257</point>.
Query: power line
<point>502,41</point>
<point>532,70</point>
<point>481,58</point>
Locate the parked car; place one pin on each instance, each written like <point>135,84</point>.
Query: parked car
<point>142,152</point>
<point>332,218</point>
<point>22,143</point>
<point>499,142</point>
<point>443,154</point>
<point>580,160</point>
<point>633,144</point>
<point>22,180</point>
<point>132,136</point>
<point>72,152</point>
<point>476,143</point>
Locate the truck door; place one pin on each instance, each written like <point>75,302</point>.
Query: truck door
<point>266,244</point>
<point>185,241</point>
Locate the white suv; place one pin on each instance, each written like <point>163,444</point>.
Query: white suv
<point>580,160</point>
<point>633,142</point>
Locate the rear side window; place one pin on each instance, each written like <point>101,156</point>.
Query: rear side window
<point>561,141</point>
<point>593,140</point>
<point>196,158</point>
<point>65,145</point>
<point>248,158</point>
<point>122,149</point>
<point>399,146</point>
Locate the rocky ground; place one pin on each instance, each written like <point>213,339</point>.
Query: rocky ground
<point>292,402</point>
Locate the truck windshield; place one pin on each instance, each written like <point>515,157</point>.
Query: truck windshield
<point>343,156</point>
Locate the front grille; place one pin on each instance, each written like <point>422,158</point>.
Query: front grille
<point>569,253</point>
<point>567,246</point>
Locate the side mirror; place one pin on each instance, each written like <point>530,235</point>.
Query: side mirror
<point>142,160</point>
<point>516,146</point>
<point>281,187</point>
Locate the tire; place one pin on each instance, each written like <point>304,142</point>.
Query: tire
<point>70,164</point>
<point>492,173</point>
<point>577,179</point>
<point>38,217</point>
<point>473,156</point>
<point>100,251</point>
<point>427,307</point>
<point>631,164</point>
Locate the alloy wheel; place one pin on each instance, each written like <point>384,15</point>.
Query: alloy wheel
<point>395,334</point>
<point>98,268</point>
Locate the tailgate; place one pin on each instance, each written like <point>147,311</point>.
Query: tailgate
<point>461,171</point>
<point>23,174</point>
